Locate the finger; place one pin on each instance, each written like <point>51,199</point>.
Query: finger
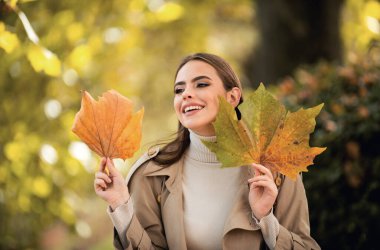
<point>259,184</point>
<point>268,185</point>
<point>99,183</point>
<point>253,171</point>
<point>252,186</point>
<point>102,164</point>
<point>262,169</point>
<point>110,162</point>
<point>111,168</point>
<point>103,176</point>
<point>256,171</point>
<point>106,168</point>
<point>260,178</point>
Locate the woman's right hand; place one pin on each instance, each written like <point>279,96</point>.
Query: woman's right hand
<point>112,187</point>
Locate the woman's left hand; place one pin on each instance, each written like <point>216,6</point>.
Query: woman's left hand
<point>262,191</point>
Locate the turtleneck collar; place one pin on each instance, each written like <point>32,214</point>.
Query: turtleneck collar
<point>198,151</point>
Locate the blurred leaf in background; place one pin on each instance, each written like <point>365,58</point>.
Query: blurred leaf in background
<point>43,60</point>
<point>8,40</point>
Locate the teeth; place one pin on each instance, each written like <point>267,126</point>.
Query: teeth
<point>192,108</point>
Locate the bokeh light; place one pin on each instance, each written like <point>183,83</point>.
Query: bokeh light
<point>82,153</point>
<point>70,77</point>
<point>373,24</point>
<point>113,35</point>
<point>53,109</point>
<point>48,154</point>
<point>83,229</point>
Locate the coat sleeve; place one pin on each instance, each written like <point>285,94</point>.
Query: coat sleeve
<point>145,229</point>
<point>292,213</point>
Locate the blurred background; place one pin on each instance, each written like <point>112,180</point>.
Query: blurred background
<point>306,52</point>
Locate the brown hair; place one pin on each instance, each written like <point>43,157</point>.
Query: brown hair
<point>174,150</point>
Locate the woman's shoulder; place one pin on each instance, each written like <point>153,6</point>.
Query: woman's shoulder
<point>142,162</point>
<point>145,166</point>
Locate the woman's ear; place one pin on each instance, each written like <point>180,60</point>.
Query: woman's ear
<point>233,96</point>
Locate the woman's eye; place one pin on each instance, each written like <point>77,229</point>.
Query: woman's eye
<point>178,90</point>
<point>202,84</point>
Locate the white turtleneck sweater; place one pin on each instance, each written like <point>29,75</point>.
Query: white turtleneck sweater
<point>208,193</point>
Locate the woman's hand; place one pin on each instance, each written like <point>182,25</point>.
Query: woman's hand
<point>112,187</point>
<point>262,191</point>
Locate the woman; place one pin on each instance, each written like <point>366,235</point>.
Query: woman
<point>178,197</point>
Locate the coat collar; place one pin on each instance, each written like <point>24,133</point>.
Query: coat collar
<point>171,171</point>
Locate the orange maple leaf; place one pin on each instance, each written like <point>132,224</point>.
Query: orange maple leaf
<point>108,126</point>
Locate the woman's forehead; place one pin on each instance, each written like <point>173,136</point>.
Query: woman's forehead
<point>195,68</point>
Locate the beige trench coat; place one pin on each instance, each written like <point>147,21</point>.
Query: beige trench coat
<point>157,222</point>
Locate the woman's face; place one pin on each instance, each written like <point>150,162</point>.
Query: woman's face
<point>197,87</point>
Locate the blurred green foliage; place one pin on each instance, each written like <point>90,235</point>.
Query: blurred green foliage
<point>343,188</point>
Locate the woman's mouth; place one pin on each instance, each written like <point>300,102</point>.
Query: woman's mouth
<point>192,108</point>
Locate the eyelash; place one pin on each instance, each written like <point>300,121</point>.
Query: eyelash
<point>178,91</point>
<point>203,84</point>
<point>199,85</point>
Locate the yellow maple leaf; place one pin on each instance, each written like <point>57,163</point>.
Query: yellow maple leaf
<point>108,126</point>
<point>268,134</point>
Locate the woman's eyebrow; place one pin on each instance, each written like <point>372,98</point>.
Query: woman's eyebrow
<point>193,80</point>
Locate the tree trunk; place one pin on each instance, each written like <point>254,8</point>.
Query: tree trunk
<point>292,33</point>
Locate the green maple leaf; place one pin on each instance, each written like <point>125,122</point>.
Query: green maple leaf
<point>268,134</point>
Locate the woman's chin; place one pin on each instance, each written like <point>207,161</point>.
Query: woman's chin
<point>202,130</point>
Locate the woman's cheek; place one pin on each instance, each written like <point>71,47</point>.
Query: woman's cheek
<point>177,106</point>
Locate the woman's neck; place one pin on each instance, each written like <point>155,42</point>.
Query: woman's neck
<point>198,151</point>
<point>205,131</point>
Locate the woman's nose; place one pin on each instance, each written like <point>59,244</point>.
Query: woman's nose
<point>187,93</point>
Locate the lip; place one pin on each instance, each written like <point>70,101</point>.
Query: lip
<point>190,104</point>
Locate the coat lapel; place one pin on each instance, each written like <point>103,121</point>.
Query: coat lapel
<point>172,206</point>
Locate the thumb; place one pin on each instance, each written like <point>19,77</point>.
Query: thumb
<point>255,171</point>
<point>111,167</point>
<point>103,163</point>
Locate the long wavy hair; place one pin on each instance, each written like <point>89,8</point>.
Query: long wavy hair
<point>174,150</point>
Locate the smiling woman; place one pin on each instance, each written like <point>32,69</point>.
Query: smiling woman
<point>197,89</point>
<point>213,71</point>
<point>179,197</point>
